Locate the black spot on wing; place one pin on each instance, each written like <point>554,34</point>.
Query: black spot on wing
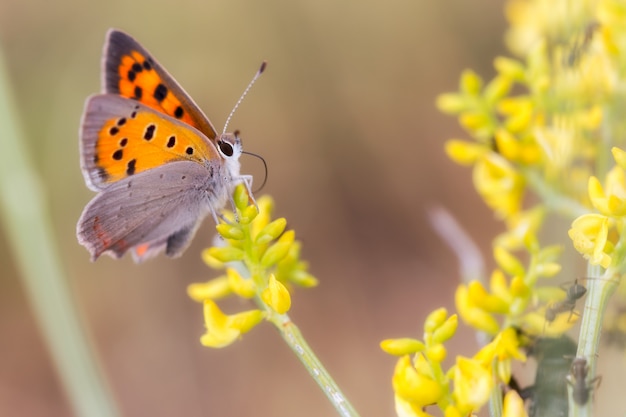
<point>137,67</point>
<point>149,133</point>
<point>130,167</point>
<point>160,92</point>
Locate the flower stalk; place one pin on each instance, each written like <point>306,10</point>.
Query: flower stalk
<point>262,262</point>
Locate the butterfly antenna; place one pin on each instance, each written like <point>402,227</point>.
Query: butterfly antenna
<point>256,76</point>
<point>264,166</point>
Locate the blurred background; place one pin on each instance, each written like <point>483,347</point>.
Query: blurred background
<point>344,117</point>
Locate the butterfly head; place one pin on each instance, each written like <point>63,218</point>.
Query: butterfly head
<point>230,149</point>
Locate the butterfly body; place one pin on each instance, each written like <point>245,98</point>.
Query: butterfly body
<point>154,158</point>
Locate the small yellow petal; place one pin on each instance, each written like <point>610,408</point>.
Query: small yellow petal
<point>275,253</point>
<point>226,253</point>
<point>406,409</point>
<point>474,121</point>
<point>548,270</point>
<point>271,231</point>
<point>471,83</point>
<point>222,329</point>
<point>463,152</point>
<point>210,260</point>
<point>472,383</point>
<point>472,315</point>
<point>219,340</point>
<point>435,319</point>
<point>248,214</point>
<point>513,405</point>
<point>496,89</point>
<point>451,103</point>
<point>230,231</point>
<point>246,320</point>
<point>214,289</point>
<point>507,262</point>
<point>507,144</point>
<point>276,296</point>
<point>414,387</point>
<point>218,333</point>
<point>401,347</point>
<point>485,301</point>
<point>446,330</point>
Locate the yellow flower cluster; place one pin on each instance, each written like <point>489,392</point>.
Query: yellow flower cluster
<point>260,260</point>
<point>420,381</point>
<point>543,126</point>
<point>512,290</point>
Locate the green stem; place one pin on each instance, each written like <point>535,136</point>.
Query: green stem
<point>24,214</point>
<point>495,402</point>
<point>600,288</point>
<point>291,334</point>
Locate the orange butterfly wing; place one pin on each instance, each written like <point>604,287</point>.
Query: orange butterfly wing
<point>144,119</point>
<point>132,72</point>
<point>121,137</point>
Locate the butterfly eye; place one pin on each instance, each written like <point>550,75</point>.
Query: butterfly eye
<point>226,148</point>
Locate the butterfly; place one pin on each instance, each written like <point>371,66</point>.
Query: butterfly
<point>156,161</point>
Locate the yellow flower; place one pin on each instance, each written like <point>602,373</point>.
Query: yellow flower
<point>417,388</point>
<point>465,153</point>
<point>473,384</point>
<point>222,329</point>
<point>610,200</point>
<point>503,348</point>
<point>589,234</point>
<point>519,116</point>
<point>485,300</point>
<point>259,256</point>
<point>276,296</point>
<point>499,183</point>
<point>473,314</point>
<point>523,149</point>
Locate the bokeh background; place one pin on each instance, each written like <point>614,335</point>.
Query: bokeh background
<point>344,117</point>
